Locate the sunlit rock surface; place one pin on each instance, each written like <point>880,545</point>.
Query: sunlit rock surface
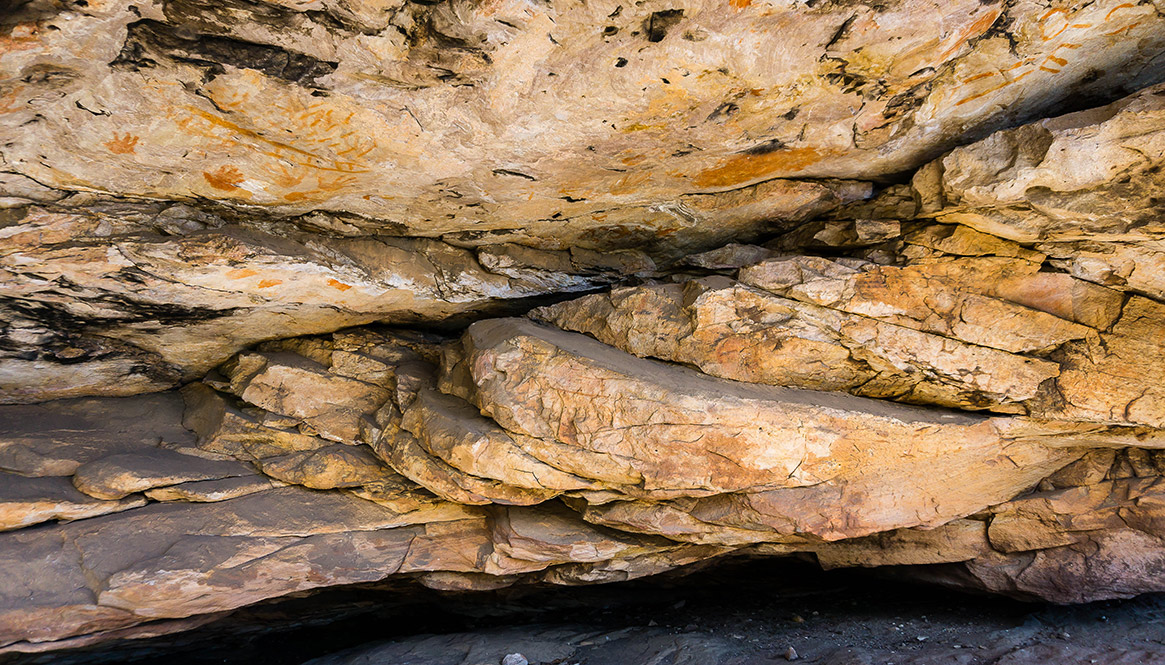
<point>483,294</point>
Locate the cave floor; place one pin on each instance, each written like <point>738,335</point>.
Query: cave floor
<point>735,613</point>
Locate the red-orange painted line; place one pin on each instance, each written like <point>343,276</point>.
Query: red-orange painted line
<point>1123,5</point>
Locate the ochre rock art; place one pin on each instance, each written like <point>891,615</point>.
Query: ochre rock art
<point>491,293</point>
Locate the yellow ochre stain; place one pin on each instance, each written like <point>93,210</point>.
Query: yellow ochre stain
<point>745,168</point>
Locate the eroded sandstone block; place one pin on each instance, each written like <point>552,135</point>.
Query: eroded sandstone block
<point>25,501</point>
<point>118,476</point>
<point>326,468</point>
<point>734,331</point>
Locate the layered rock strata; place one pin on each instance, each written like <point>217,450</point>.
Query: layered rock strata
<point>297,209</point>
<point>180,181</point>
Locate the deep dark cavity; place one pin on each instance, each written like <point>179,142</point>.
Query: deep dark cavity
<point>759,608</point>
<point>656,27</point>
<point>148,40</point>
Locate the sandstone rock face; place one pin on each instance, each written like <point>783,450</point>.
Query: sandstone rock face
<point>839,302</point>
<point>324,107</point>
<point>180,182</point>
<point>148,306</point>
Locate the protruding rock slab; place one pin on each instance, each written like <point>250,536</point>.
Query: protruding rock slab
<point>171,309</point>
<point>921,297</point>
<point>294,386</point>
<point>55,438</point>
<point>25,501</point>
<point>772,455</point>
<point>327,468</point>
<point>734,331</point>
<point>224,429</point>
<point>119,475</point>
<point>174,560</point>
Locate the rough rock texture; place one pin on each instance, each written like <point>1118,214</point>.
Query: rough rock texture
<point>847,320</point>
<point>180,181</point>
<point>105,298</point>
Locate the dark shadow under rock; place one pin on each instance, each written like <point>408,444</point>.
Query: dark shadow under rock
<point>736,613</point>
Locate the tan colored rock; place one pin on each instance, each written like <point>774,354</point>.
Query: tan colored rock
<point>916,468</point>
<point>919,297</point>
<point>732,331</point>
<point>840,234</point>
<point>1088,470</point>
<point>147,311</point>
<point>1116,378</point>
<point>1065,545</point>
<point>1025,283</point>
<point>958,240</point>
<point>763,457</point>
<point>449,581</point>
<point>674,520</point>
<point>1090,175</point>
<point>528,539</point>
<point>455,432</point>
<point>167,205</point>
<point>1084,187</point>
<point>118,476</point>
<point>291,385</point>
<point>956,541</point>
<point>326,468</point>
<point>371,357</point>
<point>275,566</point>
<point>224,429</point>
<point>1139,267</point>
<point>730,256</point>
<point>26,501</point>
<point>213,490</point>
<point>406,498</point>
<point>404,453</point>
<point>869,91</point>
<point>560,270</point>
<point>632,567</point>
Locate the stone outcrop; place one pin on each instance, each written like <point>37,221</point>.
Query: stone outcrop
<point>485,294</point>
<point>180,182</point>
<point>148,306</point>
<point>338,109</point>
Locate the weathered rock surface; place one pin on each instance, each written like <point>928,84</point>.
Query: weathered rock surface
<point>326,468</point>
<point>148,305</point>
<point>25,501</point>
<point>345,110</point>
<point>55,438</point>
<point>213,490</point>
<point>731,330</point>
<point>959,375</point>
<point>117,476</point>
<point>180,182</point>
